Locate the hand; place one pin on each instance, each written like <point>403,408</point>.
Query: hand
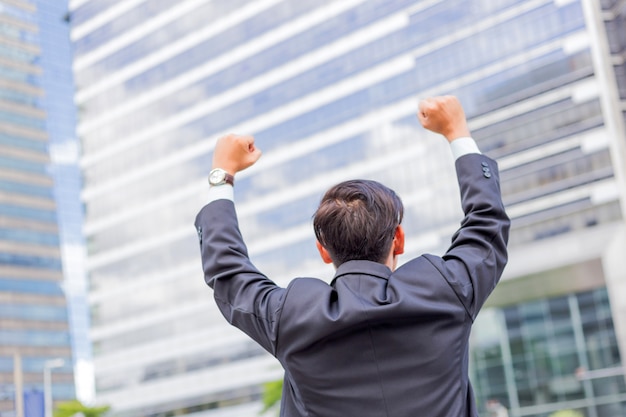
<point>444,115</point>
<point>234,153</point>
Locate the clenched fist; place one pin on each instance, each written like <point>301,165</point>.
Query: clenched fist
<point>444,115</point>
<point>234,153</point>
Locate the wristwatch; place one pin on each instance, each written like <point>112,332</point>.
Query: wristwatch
<point>218,176</point>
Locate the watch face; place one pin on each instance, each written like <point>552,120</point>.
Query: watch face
<point>217,176</point>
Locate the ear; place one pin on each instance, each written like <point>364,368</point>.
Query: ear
<point>398,241</point>
<point>323,253</point>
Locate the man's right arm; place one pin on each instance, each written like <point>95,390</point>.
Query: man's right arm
<point>477,255</point>
<point>476,258</point>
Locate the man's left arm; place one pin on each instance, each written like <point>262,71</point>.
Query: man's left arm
<point>246,298</point>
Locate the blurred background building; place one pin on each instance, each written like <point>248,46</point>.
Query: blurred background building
<point>36,109</point>
<point>329,89</point>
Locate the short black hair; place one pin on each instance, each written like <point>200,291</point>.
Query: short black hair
<point>357,220</point>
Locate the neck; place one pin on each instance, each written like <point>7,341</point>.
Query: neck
<point>392,261</point>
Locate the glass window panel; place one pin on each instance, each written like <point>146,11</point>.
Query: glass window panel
<point>546,353</point>
<point>32,287</point>
<point>33,312</point>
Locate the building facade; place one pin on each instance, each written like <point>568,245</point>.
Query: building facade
<point>34,329</point>
<point>329,89</point>
<point>58,83</point>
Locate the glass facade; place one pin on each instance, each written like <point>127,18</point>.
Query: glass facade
<point>58,83</point>
<point>329,89</point>
<point>33,309</point>
<point>529,357</point>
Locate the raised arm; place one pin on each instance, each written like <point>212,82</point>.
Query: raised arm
<point>246,298</point>
<point>477,255</point>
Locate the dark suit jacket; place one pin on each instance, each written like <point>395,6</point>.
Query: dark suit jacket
<point>374,342</point>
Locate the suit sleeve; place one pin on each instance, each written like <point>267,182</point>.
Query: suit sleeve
<point>246,297</point>
<point>476,258</point>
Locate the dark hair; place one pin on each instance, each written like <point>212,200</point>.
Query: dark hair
<point>357,220</point>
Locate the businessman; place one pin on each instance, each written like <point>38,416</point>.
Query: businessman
<point>378,341</point>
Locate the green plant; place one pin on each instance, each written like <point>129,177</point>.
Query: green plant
<point>71,408</point>
<point>272,393</point>
<point>567,413</point>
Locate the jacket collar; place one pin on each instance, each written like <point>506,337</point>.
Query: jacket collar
<point>374,269</point>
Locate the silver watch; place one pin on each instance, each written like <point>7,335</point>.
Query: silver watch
<point>218,176</point>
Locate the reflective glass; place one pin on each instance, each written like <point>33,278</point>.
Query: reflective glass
<point>29,236</point>
<point>28,286</point>
<point>329,115</point>
<point>22,165</point>
<point>214,46</point>
<point>26,189</point>
<point>33,364</point>
<point>123,23</point>
<point>30,261</point>
<point>34,338</point>
<point>28,213</point>
<point>548,341</point>
<point>193,363</point>
<point>19,13</point>
<point>90,9</point>
<point>33,312</point>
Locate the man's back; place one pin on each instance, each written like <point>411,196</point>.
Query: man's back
<point>375,344</point>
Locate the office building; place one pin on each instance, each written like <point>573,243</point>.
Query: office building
<point>58,84</point>
<point>34,330</point>
<point>329,89</point>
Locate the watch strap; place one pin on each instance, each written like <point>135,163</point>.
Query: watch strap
<point>229,179</point>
